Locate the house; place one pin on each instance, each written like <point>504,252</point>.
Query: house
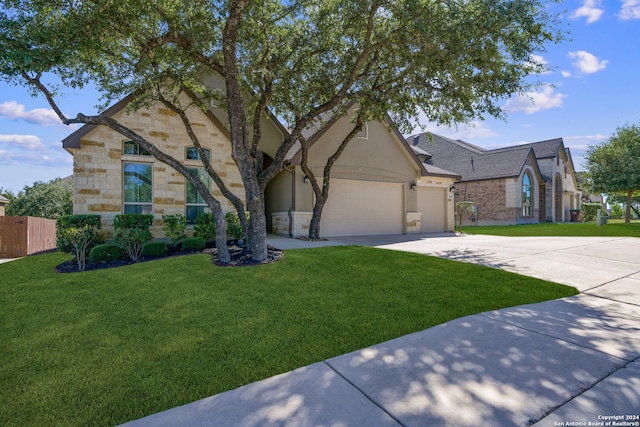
<point>3,202</point>
<point>379,186</point>
<point>521,184</point>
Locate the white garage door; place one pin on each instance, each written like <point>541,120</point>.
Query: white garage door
<point>432,204</point>
<point>360,208</point>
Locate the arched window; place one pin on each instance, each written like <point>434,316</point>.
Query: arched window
<point>527,199</point>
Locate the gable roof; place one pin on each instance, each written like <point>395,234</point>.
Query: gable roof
<point>73,140</point>
<point>473,163</point>
<point>319,127</point>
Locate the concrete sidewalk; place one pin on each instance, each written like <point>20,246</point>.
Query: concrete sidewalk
<point>570,360</point>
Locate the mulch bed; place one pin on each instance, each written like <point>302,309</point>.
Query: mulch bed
<point>240,257</point>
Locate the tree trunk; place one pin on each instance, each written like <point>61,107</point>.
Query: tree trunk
<point>627,213</point>
<point>240,143</point>
<point>314,226</point>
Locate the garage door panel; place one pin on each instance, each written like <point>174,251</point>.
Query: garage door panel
<point>432,204</point>
<point>360,208</point>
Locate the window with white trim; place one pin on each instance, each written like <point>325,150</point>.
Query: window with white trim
<point>138,188</point>
<point>192,154</point>
<point>134,149</point>
<point>195,204</point>
<point>527,199</point>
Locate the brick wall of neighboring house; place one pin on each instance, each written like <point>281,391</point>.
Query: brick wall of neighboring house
<point>490,196</point>
<point>499,201</point>
<point>98,165</point>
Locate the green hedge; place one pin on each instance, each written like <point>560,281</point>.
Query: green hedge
<point>205,226</point>
<point>193,244</point>
<point>154,249</point>
<point>140,221</point>
<point>590,211</point>
<point>105,253</point>
<point>68,222</point>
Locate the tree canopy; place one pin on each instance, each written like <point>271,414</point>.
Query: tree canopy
<point>613,166</point>
<point>43,199</point>
<point>452,61</point>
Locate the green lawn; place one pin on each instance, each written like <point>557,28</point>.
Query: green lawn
<point>612,229</point>
<point>103,347</point>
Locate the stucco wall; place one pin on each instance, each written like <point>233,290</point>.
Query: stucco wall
<point>377,158</point>
<point>98,164</point>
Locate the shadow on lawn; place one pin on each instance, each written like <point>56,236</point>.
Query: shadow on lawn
<point>508,367</point>
<point>484,258</point>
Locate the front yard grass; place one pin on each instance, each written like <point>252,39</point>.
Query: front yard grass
<point>103,347</point>
<point>614,228</point>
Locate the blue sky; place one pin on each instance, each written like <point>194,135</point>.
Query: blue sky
<point>592,88</point>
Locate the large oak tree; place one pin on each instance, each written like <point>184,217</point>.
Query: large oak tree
<point>302,60</point>
<point>613,166</point>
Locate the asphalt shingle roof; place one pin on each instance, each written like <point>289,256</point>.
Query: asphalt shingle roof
<point>469,161</point>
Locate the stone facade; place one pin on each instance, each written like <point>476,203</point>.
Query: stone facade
<point>300,223</point>
<point>414,224</point>
<point>99,163</point>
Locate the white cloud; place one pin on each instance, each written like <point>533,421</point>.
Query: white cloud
<point>539,61</point>
<point>28,159</point>
<point>630,9</point>
<point>532,102</point>
<point>29,142</point>
<point>41,116</point>
<point>566,73</point>
<point>466,131</point>
<point>591,10</point>
<point>587,62</point>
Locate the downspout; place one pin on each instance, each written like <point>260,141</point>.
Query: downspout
<point>293,198</point>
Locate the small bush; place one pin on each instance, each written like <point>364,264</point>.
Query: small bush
<point>174,228</point>
<point>80,239</point>
<point>464,210</point>
<point>193,244</point>
<point>105,253</point>
<point>234,227</point>
<point>67,222</point>
<point>205,227</point>
<point>590,211</point>
<point>132,240</point>
<point>154,249</point>
<point>140,221</point>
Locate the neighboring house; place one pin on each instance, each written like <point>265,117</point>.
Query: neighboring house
<point>522,184</point>
<point>378,185</point>
<point>3,202</point>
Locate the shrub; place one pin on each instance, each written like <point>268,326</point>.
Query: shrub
<point>193,244</point>
<point>154,249</point>
<point>590,211</point>
<point>67,222</point>
<point>80,239</point>
<point>464,210</point>
<point>132,241</point>
<point>140,221</point>
<point>205,227</point>
<point>234,227</point>
<point>174,229</point>
<point>105,253</point>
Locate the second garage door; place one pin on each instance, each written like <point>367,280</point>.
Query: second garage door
<point>360,208</point>
<point>432,204</point>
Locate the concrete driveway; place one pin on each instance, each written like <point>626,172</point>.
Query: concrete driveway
<point>590,264</point>
<point>572,361</point>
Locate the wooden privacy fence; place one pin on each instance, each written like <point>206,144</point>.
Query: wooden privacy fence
<point>26,235</point>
